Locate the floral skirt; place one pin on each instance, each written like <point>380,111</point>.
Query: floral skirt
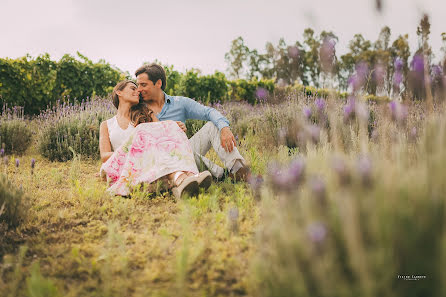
<point>152,151</point>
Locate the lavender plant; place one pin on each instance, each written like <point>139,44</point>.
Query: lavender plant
<point>72,125</point>
<point>15,131</point>
<point>13,204</point>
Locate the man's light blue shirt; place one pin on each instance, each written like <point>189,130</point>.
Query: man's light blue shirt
<point>178,108</point>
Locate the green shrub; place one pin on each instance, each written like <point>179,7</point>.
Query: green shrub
<point>193,126</point>
<point>75,126</point>
<point>13,205</point>
<point>36,83</point>
<point>15,132</point>
<point>246,90</point>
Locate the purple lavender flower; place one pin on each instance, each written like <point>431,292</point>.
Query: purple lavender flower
<point>296,170</point>
<point>349,108</point>
<point>261,94</point>
<point>255,183</point>
<point>285,179</point>
<point>418,64</point>
<point>317,232</point>
<point>437,73</point>
<point>33,163</point>
<point>398,64</point>
<point>397,79</point>
<point>2,152</point>
<point>307,112</point>
<point>17,163</point>
<point>320,104</point>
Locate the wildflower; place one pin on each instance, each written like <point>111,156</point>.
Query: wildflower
<point>2,152</point>
<point>307,112</point>
<point>287,178</point>
<point>397,80</point>
<point>33,164</point>
<point>349,109</point>
<point>261,94</point>
<point>320,104</point>
<point>437,71</point>
<point>317,232</point>
<point>17,163</point>
<point>364,166</point>
<point>417,64</point>
<point>398,64</point>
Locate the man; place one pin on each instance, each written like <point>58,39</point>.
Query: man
<point>151,80</point>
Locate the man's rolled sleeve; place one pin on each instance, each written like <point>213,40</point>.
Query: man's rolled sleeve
<point>195,110</point>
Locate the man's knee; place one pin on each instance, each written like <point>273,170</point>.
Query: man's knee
<point>210,128</point>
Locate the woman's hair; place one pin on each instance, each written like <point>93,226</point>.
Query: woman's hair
<point>140,113</point>
<point>119,87</point>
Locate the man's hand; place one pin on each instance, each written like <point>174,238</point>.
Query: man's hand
<point>182,126</point>
<point>227,139</point>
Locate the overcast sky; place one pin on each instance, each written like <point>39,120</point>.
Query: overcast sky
<point>196,33</point>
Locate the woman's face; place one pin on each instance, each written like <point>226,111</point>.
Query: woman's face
<point>129,94</point>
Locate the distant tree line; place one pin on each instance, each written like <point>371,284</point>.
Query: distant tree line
<point>314,61</point>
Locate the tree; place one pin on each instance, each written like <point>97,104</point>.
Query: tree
<point>311,57</point>
<point>237,57</point>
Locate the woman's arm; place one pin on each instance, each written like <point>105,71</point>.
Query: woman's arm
<point>104,142</point>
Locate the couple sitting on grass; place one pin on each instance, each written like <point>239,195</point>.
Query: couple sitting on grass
<point>145,142</point>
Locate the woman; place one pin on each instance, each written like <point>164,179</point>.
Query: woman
<point>145,150</point>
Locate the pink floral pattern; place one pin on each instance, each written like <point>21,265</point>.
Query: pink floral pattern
<point>152,151</point>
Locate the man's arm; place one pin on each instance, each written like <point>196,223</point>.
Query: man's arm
<point>195,110</point>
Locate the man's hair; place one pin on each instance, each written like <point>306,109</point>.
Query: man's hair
<point>119,87</point>
<point>154,72</point>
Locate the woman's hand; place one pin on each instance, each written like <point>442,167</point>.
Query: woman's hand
<point>182,126</point>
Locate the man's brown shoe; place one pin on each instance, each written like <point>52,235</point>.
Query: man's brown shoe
<point>243,174</point>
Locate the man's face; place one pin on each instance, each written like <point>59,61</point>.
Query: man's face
<point>146,88</point>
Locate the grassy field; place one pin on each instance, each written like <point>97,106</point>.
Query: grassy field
<point>348,204</point>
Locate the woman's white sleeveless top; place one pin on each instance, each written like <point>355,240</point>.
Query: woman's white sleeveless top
<point>117,134</point>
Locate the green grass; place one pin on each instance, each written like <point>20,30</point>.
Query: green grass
<point>79,241</point>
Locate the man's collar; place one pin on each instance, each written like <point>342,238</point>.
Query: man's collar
<point>167,98</point>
